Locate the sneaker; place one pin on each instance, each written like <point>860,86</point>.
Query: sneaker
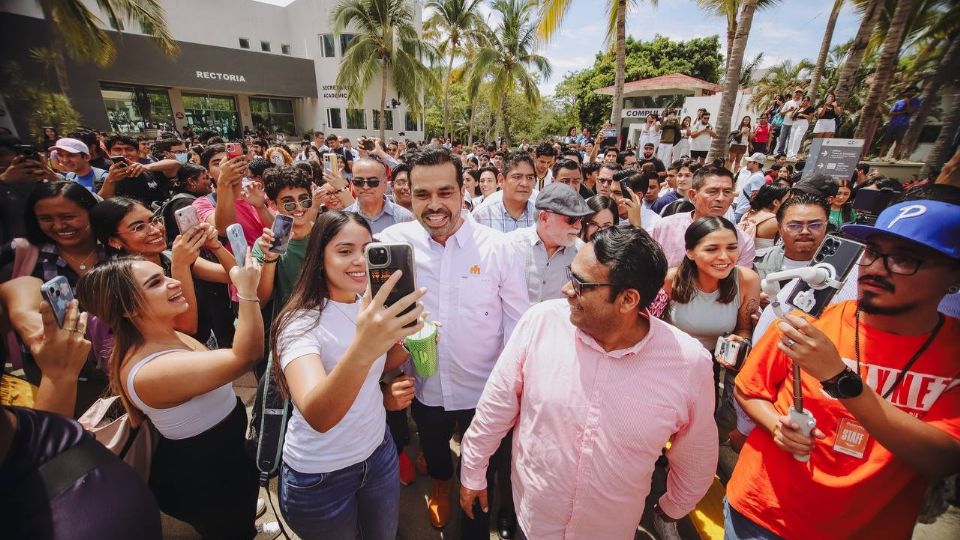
<point>261,507</point>
<point>407,472</point>
<point>666,530</point>
<point>267,531</point>
<point>438,503</point>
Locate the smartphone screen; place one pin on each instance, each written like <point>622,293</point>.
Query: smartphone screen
<point>58,294</point>
<point>383,259</point>
<point>282,227</point>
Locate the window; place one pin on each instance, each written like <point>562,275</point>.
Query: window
<point>334,119</point>
<point>265,46</point>
<point>284,48</point>
<point>326,43</point>
<point>134,109</point>
<point>244,43</point>
<point>272,114</point>
<point>345,41</point>
<point>147,28</point>
<point>410,123</point>
<point>356,119</point>
<point>218,113</point>
<point>388,117</point>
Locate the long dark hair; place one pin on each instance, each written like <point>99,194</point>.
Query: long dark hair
<point>110,292</point>
<point>685,282</point>
<point>107,215</point>
<point>47,190</point>
<point>599,203</point>
<point>310,291</point>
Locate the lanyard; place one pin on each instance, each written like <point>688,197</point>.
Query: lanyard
<point>913,359</point>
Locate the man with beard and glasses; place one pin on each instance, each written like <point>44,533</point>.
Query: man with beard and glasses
<point>476,291</point>
<point>594,386</point>
<point>550,246</point>
<point>880,376</point>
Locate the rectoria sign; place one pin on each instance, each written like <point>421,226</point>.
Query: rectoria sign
<point>220,76</point>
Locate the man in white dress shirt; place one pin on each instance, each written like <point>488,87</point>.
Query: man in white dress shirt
<point>477,291</point>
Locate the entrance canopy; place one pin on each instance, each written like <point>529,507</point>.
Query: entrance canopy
<point>673,84</point>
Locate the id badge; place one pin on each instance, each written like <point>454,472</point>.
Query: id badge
<point>851,438</point>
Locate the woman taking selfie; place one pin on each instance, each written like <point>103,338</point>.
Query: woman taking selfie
<point>339,473</point>
<point>200,472</point>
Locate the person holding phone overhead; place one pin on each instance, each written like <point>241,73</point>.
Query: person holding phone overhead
<point>477,290</point>
<point>339,472</point>
<point>200,472</point>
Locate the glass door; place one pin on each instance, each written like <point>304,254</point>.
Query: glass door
<point>216,113</point>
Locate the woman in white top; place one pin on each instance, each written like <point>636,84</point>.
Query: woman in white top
<point>682,148</point>
<point>339,473</point>
<point>200,472</point>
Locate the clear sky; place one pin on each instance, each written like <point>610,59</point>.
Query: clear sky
<point>790,30</point>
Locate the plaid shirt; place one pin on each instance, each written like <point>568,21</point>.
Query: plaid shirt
<point>495,216</point>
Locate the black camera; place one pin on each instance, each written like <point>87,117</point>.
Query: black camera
<point>379,256</point>
<point>28,151</point>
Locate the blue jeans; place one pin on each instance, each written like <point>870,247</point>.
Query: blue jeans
<point>363,497</point>
<point>783,139</point>
<point>736,526</point>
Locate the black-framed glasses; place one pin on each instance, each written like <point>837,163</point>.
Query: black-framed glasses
<point>903,265</point>
<point>579,285</point>
<point>359,182</point>
<point>291,206</point>
<point>598,226</point>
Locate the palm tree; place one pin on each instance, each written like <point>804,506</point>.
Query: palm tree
<point>731,81</point>
<point>729,10</point>
<point>386,44</point>
<point>508,59</point>
<point>551,15</point>
<point>72,27</point>
<point>870,118</point>
<point>951,122</point>
<point>452,24</point>
<point>780,79</point>
<point>858,48</point>
<point>824,50</point>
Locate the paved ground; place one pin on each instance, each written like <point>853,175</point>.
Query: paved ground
<point>414,524</point>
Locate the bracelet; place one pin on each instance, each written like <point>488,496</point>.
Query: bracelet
<point>257,300</point>
<point>269,261</point>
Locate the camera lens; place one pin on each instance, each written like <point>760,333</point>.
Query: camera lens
<point>378,256</point>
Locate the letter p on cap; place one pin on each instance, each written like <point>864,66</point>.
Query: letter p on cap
<point>907,212</point>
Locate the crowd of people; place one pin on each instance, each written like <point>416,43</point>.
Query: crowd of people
<point>581,294</point>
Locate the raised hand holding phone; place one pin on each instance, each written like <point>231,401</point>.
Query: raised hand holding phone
<point>379,326</point>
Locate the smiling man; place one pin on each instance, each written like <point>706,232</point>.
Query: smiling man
<point>712,195</point>
<point>370,190</point>
<point>880,377</point>
<point>595,387</point>
<point>550,246</point>
<point>477,291</point>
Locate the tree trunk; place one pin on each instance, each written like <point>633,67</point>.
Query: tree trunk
<point>383,98</point>
<point>731,32</point>
<point>824,51</point>
<point>621,46</point>
<point>56,47</point>
<point>857,49</point>
<point>951,121</point>
<point>949,64</point>
<point>446,97</point>
<point>731,81</point>
<point>871,115</point>
<point>504,119</point>
<point>473,110</point>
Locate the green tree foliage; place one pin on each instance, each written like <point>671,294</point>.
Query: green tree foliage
<point>699,57</point>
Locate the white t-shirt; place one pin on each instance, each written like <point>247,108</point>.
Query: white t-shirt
<point>788,108</point>
<point>701,143</point>
<point>361,430</point>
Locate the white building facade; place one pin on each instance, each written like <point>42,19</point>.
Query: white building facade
<point>242,64</point>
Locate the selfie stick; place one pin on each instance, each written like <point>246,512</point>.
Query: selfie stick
<point>818,277</point>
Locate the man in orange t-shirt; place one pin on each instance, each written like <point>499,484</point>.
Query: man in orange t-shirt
<point>881,376</point>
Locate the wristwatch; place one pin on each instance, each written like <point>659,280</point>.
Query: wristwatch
<point>844,385</point>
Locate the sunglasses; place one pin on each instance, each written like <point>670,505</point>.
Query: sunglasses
<point>371,182</point>
<point>579,285</point>
<point>291,206</point>
<point>569,219</point>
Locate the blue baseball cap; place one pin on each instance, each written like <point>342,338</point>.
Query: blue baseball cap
<point>934,224</point>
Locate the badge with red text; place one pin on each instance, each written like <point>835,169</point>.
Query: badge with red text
<point>851,438</point>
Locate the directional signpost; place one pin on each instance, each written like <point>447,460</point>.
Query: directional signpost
<point>836,158</point>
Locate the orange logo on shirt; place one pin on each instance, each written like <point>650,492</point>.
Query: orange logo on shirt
<point>475,269</point>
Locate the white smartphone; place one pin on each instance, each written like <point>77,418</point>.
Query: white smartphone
<point>238,243</point>
<point>330,162</point>
<point>186,217</point>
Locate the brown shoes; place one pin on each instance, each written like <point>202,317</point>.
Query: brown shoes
<point>438,503</point>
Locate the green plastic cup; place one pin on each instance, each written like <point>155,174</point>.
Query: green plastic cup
<point>423,349</point>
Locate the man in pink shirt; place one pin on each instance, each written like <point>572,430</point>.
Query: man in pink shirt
<point>594,388</point>
<point>712,194</point>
